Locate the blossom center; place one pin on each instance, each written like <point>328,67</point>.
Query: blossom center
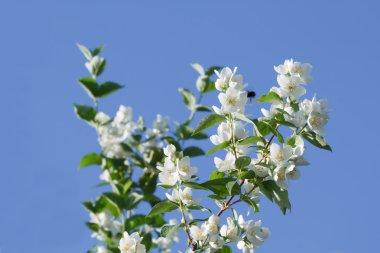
<point>231,100</point>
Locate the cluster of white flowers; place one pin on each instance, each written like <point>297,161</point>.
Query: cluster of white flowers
<point>106,223</point>
<point>247,234</point>
<point>292,76</point>
<point>240,176</point>
<point>233,100</point>
<point>176,167</point>
<point>232,97</point>
<point>113,133</point>
<point>152,135</point>
<point>309,114</point>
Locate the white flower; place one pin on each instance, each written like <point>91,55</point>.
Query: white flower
<point>184,169</point>
<point>197,233</point>
<point>131,243</point>
<point>224,78</point>
<point>227,164</point>
<point>102,118</point>
<point>123,115</point>
<point>280,155</point>
<point>283,174</point>
<point>244,247</point>
<point>224,132</point>
<point>290,87</point>
<point>216,242</point>
<point>233,100</point>
<point>298,119</point>
<point>256,234</point>
<point>316,122</point>
<point>211,225</point>
<point>102,219</point>
<point>186,196</point>
<point>169,151</point>
<point>160,125</point>
<point>168,174</point>
<point>174,196</point>
<point>230,230</point>
<point>168,178</point>
<point>105,176</point>
<point>260,171</point>
<point>298,69</point>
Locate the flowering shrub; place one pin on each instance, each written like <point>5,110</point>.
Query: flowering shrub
<point>258,160</point>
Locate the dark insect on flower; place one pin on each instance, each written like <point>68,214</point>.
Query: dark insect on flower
<point>251,94</point>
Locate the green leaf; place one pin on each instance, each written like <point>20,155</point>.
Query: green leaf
<point>202,108</point>
<point>92,226</point>
<point>250,202</point>
<point>107,88</point>
<point>148,181</point>
<point>135,221</point>
<point>216,174</point>
<point>242,162</point>
<point>250,139</point>
<point>90,86</point>
<point>147,241</point>
<point>162,207</point>
<point>208,121</point>
<point>271,97</point>
<point>194,185</point>
<point>210,86</point>
<point>193,151</point>
<point>85,112</point>
<point>197,207</point>
<point>225,249</point>
<point>211,70</point>
<point>90,159</point>
<point>219,186</point>
<point>188,98</point>
<point>218,147</point>
<point>248,174</point>
<point>167,229</point>
<point>274,193</point>
<point>230,186</point>
<point>316,140</point>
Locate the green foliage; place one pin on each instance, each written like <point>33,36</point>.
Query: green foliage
<point>242,162</point>
<point>271,97</point>
<point>85,112</point>
<point>167,229</point>
<point>274,193</point>
<point>95,91</point>
<point>90,159</point>
<point>316,140</point>
<point>218,147</point>
<point>224,249</point>
<point>193,151</point>
<point>208,121</point>
<point>163,207</point>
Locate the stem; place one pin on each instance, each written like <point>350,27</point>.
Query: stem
<point>227,203</point>
<point>185,228</point>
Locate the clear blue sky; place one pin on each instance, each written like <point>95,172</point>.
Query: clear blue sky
<point>149,46</point>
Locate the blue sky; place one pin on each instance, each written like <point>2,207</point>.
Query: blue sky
<point>149,46</point>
